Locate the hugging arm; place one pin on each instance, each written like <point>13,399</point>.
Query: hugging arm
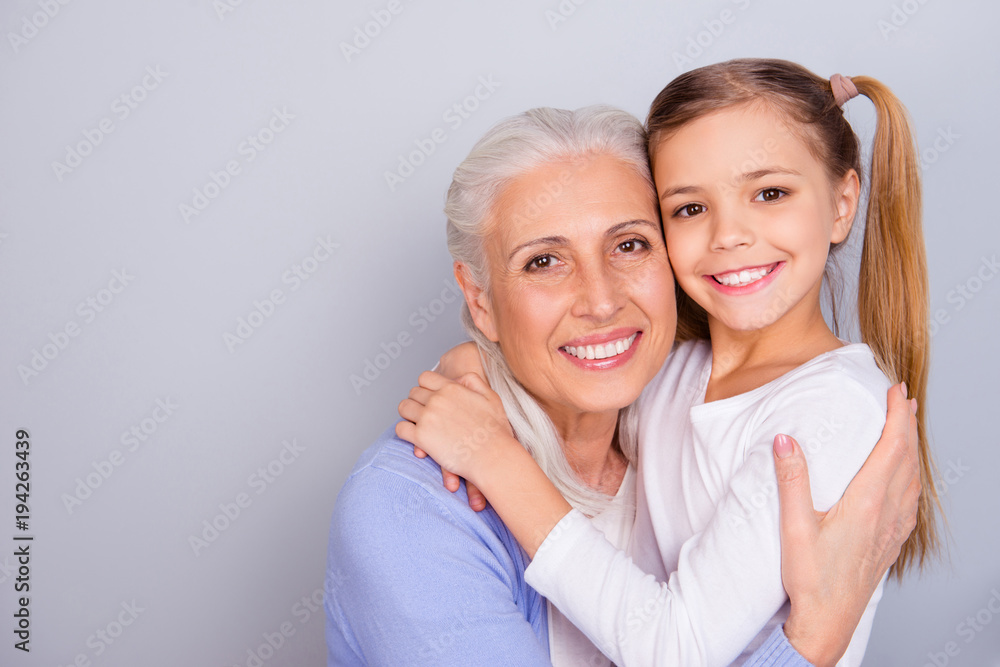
<point>823,614</point>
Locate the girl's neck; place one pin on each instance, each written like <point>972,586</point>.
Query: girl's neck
<point>745,360</point>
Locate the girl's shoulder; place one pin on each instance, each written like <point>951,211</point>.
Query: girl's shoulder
<point>847,379</point>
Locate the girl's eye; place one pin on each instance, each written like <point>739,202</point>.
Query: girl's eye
<point>690,210</point>
<point>770,194</point>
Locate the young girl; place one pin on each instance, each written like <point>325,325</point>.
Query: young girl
<point>757,172</point>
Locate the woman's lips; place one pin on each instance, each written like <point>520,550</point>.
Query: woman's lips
<point>603,356</point>
<point>601,350</point>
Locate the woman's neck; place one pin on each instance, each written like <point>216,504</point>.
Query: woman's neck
<point>745,360</point>
<point>590,446</point>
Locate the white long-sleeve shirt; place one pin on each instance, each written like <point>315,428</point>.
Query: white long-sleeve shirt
<point>705,583</point>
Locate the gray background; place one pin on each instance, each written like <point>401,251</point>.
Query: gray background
<point>223,71</point>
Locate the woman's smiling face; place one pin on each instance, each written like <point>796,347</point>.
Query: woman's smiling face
<point>581,295</point>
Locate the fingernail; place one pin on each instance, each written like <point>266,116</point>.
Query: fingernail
<point>913,405</point>
<point>902,388</point>
<point>782,446</point>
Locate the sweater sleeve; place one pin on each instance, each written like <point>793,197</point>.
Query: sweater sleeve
<point>727,584</point>
<point>410,583</point>
<point>776,652</point>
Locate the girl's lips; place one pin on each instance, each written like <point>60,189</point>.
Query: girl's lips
<point>749,288</point>
<point>608,362</point>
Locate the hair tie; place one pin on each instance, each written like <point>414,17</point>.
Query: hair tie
<point>843,89</point>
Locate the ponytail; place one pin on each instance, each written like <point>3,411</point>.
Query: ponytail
<point>893,301</point>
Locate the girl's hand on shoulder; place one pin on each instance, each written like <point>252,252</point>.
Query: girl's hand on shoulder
<point>461,424</point>
<point>461,360</point>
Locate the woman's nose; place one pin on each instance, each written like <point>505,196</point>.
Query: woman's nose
<point>600,293</point>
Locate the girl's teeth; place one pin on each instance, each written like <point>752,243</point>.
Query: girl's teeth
<point>605,351</point>
<point>741,278</point>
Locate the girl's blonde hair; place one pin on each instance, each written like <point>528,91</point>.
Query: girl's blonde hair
<point>893,299</point>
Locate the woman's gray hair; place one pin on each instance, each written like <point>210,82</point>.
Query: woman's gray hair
<point>513,147</point>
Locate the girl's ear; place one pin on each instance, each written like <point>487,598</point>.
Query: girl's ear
<point>846,196</point>
<point>478,301</point>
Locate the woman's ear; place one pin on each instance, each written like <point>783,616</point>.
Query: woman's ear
<point>478,301</point>
<point>846,197</point>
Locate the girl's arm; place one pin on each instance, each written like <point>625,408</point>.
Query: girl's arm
<point>726,584</point>
<point>470,440</point>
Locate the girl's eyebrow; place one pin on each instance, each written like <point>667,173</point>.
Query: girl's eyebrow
<point>767,171</point>
<point>746,177</point>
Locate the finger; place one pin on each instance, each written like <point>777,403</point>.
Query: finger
<point>477,500</point>
<point>420,395</point>
<point>419,453</point>
<point>433,381</point>
<point>409,410</point>
<point>891,450</point>
<point>905,460</point>
<point>476,383</point>
<point>451,480</point>
<point>798,520</point>
<point>406,430</point>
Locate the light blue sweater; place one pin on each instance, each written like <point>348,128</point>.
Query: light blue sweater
<point>415,577</point>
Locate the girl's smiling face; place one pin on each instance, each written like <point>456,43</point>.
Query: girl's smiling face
<point>749,215</point>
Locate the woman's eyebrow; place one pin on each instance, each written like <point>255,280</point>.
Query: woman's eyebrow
<point>621,226</point>
<point>547,240</point>
<point>562,240</point>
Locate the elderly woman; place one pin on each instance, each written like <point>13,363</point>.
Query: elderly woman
<point>554,228</point>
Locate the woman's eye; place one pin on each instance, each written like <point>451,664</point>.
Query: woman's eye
<point>632,245</point>
<point>690,210</point>
<point>540,262</point>
<point>770,194</point>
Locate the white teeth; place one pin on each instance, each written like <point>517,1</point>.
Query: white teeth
<point>604,351</point>
<point>741,278</point>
